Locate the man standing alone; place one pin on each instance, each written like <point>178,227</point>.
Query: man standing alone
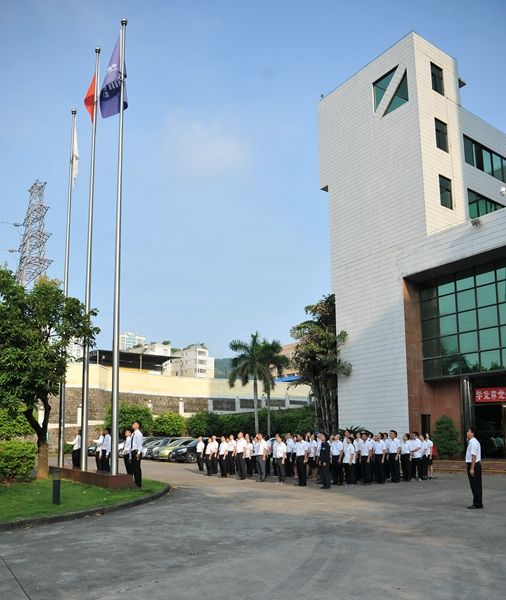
<point>136,452</point>
<point>473,463</point>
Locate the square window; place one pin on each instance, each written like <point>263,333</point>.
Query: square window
<point>489,338</point>
<point>437,79</point>
<point>503,336</point>
<point>428,291</point>
<point>470,363</point>
<point>487,317</point>
<point>450,365</point>
<point>501,270</point>
<point>466,300</point>
<point>449,345</point>
<point>469,342</point>
<point>448,325</point>
<point>485,275</point>
<point>445,192</point>
<point>430,328</point>
<point>429,308</point>
<point>467,320</point>
<point>446,285</point>
<point>501,291</point>
<point>502,314</point>
<point>465,281</point>
<point>486,295</point>
<point>469,151</point>
<point>490,361</point>
<point>447,304</point>
<point>431,348</point>
<point>497,166</point>
<point>487,162</point>
<point>432,368</point>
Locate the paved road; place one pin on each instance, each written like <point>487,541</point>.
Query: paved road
<point>226,538</point>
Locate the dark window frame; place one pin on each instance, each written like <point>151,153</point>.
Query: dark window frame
<point>474,153</point>
<point>445,192</point>
<point>437,79</point>
<point>441,129</point>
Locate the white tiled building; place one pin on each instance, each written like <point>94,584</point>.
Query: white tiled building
<point>128,340</point>
<point>401,190</point>
<point>193,361</point>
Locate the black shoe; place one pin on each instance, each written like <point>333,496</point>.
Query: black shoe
<point>473,506</point>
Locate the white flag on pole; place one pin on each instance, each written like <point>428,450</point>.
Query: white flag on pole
<point>75,156</point>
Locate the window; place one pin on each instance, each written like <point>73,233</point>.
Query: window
<point>437,79</point>
<point>380,86</point>
<point>445,192</point>
<point>479,205</point>
<point>425,424</point>
<point>401,95</point>
<point>464,322</point>
<point>441,135</point>
<point>484,159</point>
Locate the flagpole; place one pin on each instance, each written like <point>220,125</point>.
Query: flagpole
<point>87,292</point>
<point>117,263</point>
<point>61,424</point>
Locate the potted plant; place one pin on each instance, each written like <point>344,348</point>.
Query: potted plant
<point>446,437</point>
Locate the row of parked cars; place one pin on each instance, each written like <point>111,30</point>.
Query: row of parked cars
<point>171,449</point>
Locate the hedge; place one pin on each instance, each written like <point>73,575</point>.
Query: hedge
<point>128,413</point>
<point>13,425</point>
<point>17,459</point>
<point>170,423</point>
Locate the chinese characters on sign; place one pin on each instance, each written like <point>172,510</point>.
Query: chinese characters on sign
<point>497,394</point>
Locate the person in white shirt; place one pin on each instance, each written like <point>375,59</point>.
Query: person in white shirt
<point>127,448</point>
<point>357,467</point>
<point>379,451</point>
<point>349,460</point>
<point>416,456</point>
<point>473,464</point>
<point>222,456</point>
<point>105,462</point>
<point>290,455</point>
<point>98,450</point>
<point>394,456</point>
<point>261,457</point>
<point>430,446</point>
<point>280,458</point>
<point>248,455</point>
<point>199,452</point>
<point>231,455</point>
<point>136,452</point>
<point>255,454</point>
<point>239,456</point>
<point>386,439</point>
<point>209,456</point>
<point>301,448</point>
<point>365,447</point>
<point>336,451</point>
<point>312,457</point>
<point>76,450</point>
<point>406,457</point>
<point>424,462</point>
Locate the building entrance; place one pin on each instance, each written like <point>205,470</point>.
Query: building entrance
<point>490,422</point>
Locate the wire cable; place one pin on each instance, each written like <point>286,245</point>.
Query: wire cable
<point>15,578</point>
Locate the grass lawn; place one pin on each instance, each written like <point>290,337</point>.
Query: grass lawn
<point>34,499</point>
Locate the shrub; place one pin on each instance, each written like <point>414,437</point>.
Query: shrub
<point>13,425</point>
<point>204,423</point>
<point>170,423</point>
<point>446,436</point>
<point>17,459</point>
<point>128,413</point>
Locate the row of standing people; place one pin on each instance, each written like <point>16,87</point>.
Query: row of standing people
<point>352,458</point>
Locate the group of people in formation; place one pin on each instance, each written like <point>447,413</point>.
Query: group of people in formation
<point>326,459</point>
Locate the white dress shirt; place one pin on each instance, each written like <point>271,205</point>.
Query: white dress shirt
<point>405,448</point>
<point>379,447</point>
<point>365,448</point>
<point>248,450</point>
<point>394,446</point>
<point>128,445</point>
<point>430,444</point>
<point>231,445</point>
<point>280,451</point>
<point>300,448</point>
<point>289,445</point>
<point>262,447</point>
<point>336,448</point>
<point>240,445</point>
<point>473,449</point>
<point>416,448</point>
<point>106,444</point>
<point>76,443</point>
<point>349,454</point>
<point>223,450</point>
<point>200,447</point>
<point>99,443</point>
<point>137,441</point>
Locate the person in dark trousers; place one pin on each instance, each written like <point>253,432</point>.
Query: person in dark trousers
<point>240,447</point>
<point>301,448</point>
<point>248,456</point>
<point>365,448</point>
<point>473,464</point>
<point>324,461</point>
<point>76,450</point>
<point>98,450</point>
<point>105,462</point>
<point>222,456</point>
<point>394,454</point>
<point>406,457</point>
<point>379,452</point>
<point>127,451</point>
<point>337,450</point>
<point>280,458</point>
<point>136,452</point>
<point>199,453</point>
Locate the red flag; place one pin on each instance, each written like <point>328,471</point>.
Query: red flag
<point>89,99</point>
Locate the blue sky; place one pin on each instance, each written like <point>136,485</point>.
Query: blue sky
<point>224,228</point>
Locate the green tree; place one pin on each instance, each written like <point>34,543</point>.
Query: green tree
<point>13,425</point>
<point>128,413</point>
<point>275,363</point>
<point>36,327</point>
<point>249,363</point>
<point>318,359</point>
<point>170,423</point>
<point>204,423</point>
<point>446,437</point>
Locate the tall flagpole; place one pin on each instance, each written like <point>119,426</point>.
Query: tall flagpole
<point>117,263</point>
<point>61,424</point>
<point>87,292</point>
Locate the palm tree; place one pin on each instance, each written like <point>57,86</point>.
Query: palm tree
<point>249,363</point>
<point>275,362</point>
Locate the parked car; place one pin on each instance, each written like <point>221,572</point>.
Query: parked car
<point>92,450</point>
<point>166,453</point>
<point>157,448</point>
<point>150,446</point>
<point>187,453</point>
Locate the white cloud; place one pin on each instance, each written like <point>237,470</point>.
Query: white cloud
<point>205,147</point>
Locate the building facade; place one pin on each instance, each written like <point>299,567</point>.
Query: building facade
<point>415,186</point>
<point>128,340</point>
<point>192,361</point>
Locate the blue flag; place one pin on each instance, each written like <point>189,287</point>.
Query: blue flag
<point>110,92</point>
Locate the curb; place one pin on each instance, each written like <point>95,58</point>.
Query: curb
<point>79,514</point>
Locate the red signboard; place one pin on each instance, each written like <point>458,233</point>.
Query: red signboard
<point>497,394</point>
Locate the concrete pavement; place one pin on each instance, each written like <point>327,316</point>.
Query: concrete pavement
<point>229,538</point>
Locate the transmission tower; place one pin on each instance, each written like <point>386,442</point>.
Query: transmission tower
<point>32,250</point>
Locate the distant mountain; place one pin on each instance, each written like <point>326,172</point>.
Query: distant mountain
<point>222,368</point>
